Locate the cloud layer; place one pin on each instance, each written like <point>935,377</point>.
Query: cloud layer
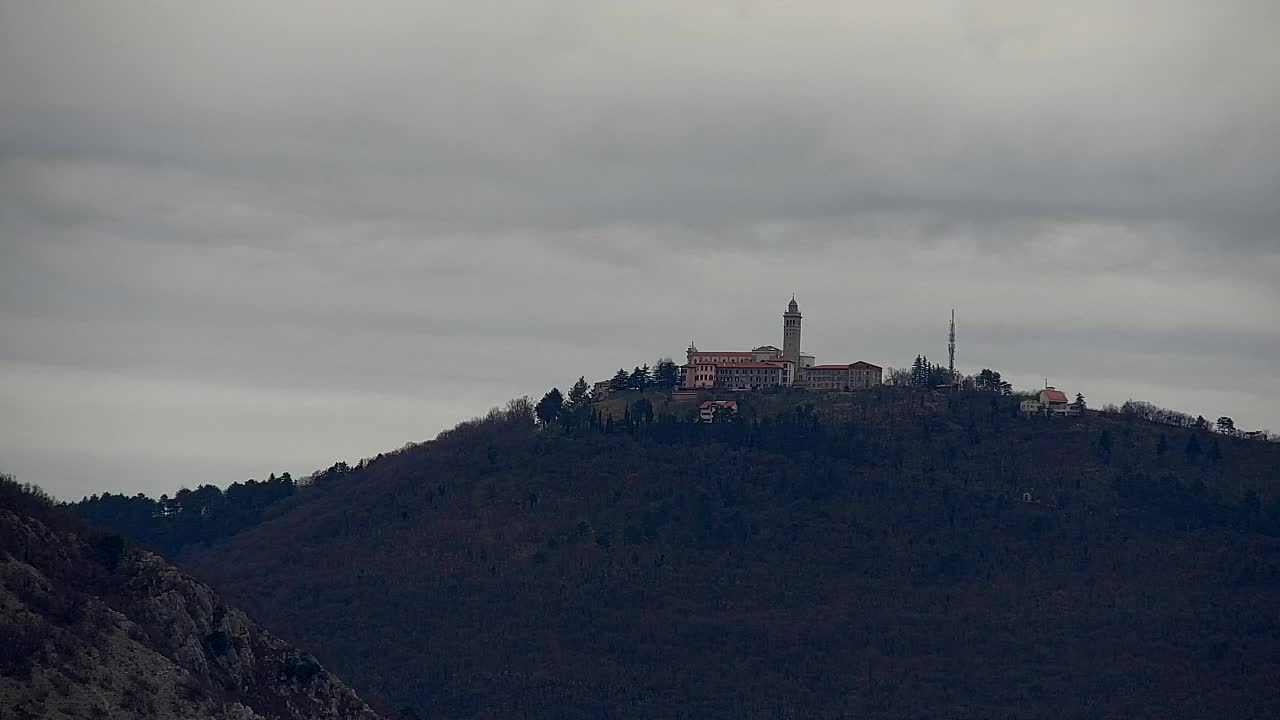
<point>238,238</point>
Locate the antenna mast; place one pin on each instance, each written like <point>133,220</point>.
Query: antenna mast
<point>951,350</point>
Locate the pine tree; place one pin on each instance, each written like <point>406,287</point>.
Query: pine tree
<point>666,372</point>
<point>549,407</point>
<point>639,378</point>
<point>1226,426</point>
<point>579,396</point>
<point>918,372</point>
<point>621,381</point>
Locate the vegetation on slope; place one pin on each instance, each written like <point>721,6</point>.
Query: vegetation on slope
<point>92,628</point>
<point>881,553</point>
<point>190,516</point>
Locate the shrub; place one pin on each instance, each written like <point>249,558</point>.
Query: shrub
<point>303,669</point>
<point>110,550</point>
<point>216,643</point>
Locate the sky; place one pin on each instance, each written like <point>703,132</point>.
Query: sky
<point>247,237</point>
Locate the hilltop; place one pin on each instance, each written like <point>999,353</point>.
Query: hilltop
<point>878,553</point>
<point>93,628</point>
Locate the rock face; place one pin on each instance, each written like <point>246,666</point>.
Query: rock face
<point>92,629</point>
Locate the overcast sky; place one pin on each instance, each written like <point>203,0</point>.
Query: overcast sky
<point>240,237</point>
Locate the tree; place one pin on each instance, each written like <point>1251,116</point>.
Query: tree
<point>724,414</point>
<point>548,408</point>
<point>666,372</point>
<point>990,381</point>
<point>900,377</point>
<point>519,410</point>
<point>642,411</point>
<point>1192,451</point>
<point>1226,426</point>
<point>621,381</point>
<point>579,395</point>
<point>1104,446</point>
<point>1079,405</point>
<point>640,378</point>
<point>919,372</point>
<point>1162,447</point>
<point>1215,454</point>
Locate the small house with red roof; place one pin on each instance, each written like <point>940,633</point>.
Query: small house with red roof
<point>1050,401</point>
<point>709,410</point>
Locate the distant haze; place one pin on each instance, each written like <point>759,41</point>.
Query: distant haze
<point>243,237</point>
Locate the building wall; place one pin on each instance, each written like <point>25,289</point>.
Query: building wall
<point>855,376</point>
<point>748,377</point>
<point>700,375</point>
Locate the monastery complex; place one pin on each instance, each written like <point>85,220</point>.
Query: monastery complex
<point>767,366</point>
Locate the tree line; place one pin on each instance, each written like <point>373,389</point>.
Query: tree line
<point>202,515</point>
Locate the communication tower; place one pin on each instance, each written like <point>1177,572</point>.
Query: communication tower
<point>951,350</point>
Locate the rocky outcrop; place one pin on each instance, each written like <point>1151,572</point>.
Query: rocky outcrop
<point>92,629</point>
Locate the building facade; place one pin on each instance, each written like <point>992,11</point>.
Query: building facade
<point>854,376</point>
<point>1050,401</point>
<point>767,366</point>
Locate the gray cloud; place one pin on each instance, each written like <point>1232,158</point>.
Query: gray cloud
<point>277,234</point>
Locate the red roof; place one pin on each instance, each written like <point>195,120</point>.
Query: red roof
<point>719,403</point>
<point>1051,395</point>
<point>727,353</point>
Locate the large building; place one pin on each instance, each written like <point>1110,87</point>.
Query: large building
<point>853,376</point>
<point>767,366</point>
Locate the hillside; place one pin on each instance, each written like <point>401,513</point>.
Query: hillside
<point>90,628</point>
<point>874,554</point>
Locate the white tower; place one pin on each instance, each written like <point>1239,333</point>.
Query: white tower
<point>791,334</point>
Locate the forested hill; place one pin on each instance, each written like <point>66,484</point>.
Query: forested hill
<point>91,627</point>
<point>875,554</point>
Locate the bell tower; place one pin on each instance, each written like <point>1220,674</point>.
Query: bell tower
<point>791,334</point>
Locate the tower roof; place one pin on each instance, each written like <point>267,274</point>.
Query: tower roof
<point>792,307</point>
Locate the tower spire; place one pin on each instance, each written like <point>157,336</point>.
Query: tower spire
<point>791,335</point>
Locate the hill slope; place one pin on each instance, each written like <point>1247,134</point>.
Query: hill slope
<point>871,556</point>
<point>92,629</point>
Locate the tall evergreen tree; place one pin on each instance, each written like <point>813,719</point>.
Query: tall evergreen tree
<point>666,372</point>
<point>640,378</point>
<point>621,381</point>
<point>548,408</point>
<point>579,396</point>
<point>919,369</point>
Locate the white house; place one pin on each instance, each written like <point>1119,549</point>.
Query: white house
<point>1051,401</point>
